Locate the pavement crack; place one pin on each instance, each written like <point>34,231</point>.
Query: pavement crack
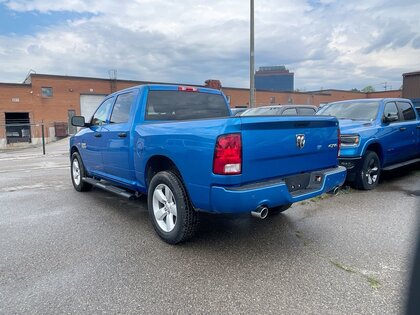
<point>308,243</point>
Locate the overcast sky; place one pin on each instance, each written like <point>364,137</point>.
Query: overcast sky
<point>326,43</point>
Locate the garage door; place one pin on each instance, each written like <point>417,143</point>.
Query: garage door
<point>89,103</point>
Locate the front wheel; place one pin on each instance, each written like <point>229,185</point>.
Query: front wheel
<point>78,171</point>
<point>368,176</point>
<point>173,217</point>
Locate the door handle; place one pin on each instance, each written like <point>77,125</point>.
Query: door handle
<point>403,129</point>
<point>97,135</point>
<point>418,127</point>
<point>122,135</point>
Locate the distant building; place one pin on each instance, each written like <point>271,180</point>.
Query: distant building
<point>50,101</point>
<point>411,87</point>
<point>275,78</point>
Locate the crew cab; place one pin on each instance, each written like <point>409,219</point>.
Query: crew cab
<point>181,146</point>
<point>376,135</point>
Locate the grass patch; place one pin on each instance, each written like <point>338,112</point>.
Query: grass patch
<point>374,283</point>
<point>343,267</point>
<point>299,234</point>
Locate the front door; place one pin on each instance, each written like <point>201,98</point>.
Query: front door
<point>92,141</point>
<point>117,138</point>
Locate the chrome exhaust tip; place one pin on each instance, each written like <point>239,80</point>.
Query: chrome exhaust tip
<point>334,191</point>
<point>261,212</point>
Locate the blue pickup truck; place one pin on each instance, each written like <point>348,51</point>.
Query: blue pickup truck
<point>376,134</point>
<point>181,147</point>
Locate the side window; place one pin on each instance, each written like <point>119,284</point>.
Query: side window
<point>290,111</point>
<point>306,111</point>
<point>391,110</point>
<point>122,107</point>
<point>406,110</point>
<point>102,113</point>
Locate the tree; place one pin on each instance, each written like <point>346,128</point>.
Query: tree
<point>368,89</point>
<point>354,90</point>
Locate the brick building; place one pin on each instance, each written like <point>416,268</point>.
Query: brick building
<point>51,100</point>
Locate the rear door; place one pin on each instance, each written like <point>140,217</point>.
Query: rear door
<point>117,138</point>
<point>408,129</point>
<point>282,146</point>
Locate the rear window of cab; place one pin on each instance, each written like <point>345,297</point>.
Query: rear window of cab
<point>182,105</point>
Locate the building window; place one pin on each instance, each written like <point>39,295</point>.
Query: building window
<point>47,91</point>
<point>272,100</point>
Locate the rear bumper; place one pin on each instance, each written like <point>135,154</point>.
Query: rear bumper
<point>275,192</point>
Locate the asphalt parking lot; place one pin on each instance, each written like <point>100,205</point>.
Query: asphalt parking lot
<point>67,252</point>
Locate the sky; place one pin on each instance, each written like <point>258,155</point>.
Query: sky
<point>328,44</point>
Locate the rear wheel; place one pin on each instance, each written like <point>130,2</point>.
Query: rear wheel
<point>173,217</point>
<point>368,176</point>
<point>78,171</point>
<point>279,209</point>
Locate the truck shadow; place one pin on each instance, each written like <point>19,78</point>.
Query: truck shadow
<point>399,173</point>
<point>401,179</point>
<point>215,232</point>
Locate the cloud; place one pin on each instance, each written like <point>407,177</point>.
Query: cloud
<point>326,43</point>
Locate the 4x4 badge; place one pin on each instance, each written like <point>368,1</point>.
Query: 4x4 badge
<point>300,141</point>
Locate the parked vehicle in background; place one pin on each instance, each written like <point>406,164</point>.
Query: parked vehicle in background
<point>181,147</point>
<point>237,111</point>
<point>376,135</point>
<point>280,110</point>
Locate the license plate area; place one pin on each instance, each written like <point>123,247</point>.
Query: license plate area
<point>298,182</point>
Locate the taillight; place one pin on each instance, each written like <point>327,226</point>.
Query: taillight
<point>187,89</point>
<point>228,155</point>
<point>338,141</point>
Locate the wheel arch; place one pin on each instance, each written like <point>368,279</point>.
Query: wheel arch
<point>159,163</point>
<point>377,148</point>
<point>74,149</point>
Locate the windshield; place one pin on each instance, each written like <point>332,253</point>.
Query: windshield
<point>262,111</point>
<point>351,110</point>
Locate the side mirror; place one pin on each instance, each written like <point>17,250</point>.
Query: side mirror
<point>390,118</point>
<point>78,121</point>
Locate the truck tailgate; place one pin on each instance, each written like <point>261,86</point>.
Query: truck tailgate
<point>287,145</point>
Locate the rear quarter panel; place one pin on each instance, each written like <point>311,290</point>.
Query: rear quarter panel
<point>190,145</point>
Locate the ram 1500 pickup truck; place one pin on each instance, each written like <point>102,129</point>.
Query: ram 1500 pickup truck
<point>181,147</point>
<point>376,134</point>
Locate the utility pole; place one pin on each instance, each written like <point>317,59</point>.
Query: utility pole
<point>251,61</point>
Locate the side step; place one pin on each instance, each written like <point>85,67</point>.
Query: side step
<point>109,187</point>
<point>392,167</point>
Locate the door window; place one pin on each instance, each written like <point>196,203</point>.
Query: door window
<point>391,110</point>
<point>290,111</point>
<point>102,113</point>
<point>306,111</point>
<point>122,107</point>
<point>406,110</point>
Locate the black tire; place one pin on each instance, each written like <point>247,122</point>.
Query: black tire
<point>77,175</point>
<point>172,215</point>
<point>367,177</point>
<point>279,209</point>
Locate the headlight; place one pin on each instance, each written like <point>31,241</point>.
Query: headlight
<point>350,140</point>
